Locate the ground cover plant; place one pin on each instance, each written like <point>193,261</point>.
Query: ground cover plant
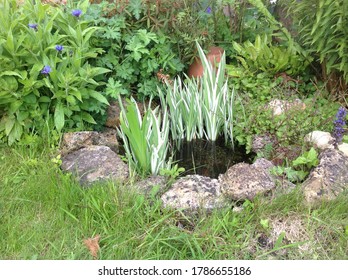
<point>61,65</point>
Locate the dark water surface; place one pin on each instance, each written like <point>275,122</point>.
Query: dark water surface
<point>207,158</point>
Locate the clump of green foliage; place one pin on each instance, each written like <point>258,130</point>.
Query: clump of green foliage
<point>136,49</point>
<point>324,32</point>
<point>44,69</point>
<point>288,129</point>
<point>263,56</point>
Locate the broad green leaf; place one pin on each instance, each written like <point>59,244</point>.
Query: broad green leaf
<point>45,99</point>
<point>59,118</point>
<point>96,95</point>
<point>71,99</point>
<point>9,123</point>
<point>87,118</point>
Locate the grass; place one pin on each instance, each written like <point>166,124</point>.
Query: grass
<point>44,214</point>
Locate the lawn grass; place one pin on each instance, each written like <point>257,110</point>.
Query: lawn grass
<point>45,214</point>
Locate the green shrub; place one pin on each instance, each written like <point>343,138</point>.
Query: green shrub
<point>44,69</point>
<point>135,50</point>
<point>263,56</point>
<point>324,32</point>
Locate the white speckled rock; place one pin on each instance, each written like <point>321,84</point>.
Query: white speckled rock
<point>194,192</point>
<point>320,139</point>
<point>281,106</point>
<point>329,178</point>
<point>244,181</point>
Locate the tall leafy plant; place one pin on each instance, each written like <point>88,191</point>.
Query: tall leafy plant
<point>201,107</point>
<point>44,68</point>
<point>324,32</point>
<point>145,138</point>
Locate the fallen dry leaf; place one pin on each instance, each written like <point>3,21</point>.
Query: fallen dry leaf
<point>93,245</point>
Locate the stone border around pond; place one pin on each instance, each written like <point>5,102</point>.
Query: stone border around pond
<point>89,157</point>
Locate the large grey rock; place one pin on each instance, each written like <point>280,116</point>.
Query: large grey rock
<point>95,164</point>
<point>329,178</point>
<point>73,141</point>
<point>244,181</point>
<point>194,192</point>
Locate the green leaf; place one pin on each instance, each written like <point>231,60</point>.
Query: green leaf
<point>9,123</point>
<point>59,119</point>
<point>87,118</point>
<point>264,223</point>
<point>312,156</point>
<point>96,95</point>
<point>16,133</point>
<point>44,99</point>
<point>135,7</point>
<point>71,99</point>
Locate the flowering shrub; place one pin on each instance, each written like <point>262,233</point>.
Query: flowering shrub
<point>44,69</point>
<point>339,124</point>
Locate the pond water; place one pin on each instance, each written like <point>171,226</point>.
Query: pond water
<point>207,158</point>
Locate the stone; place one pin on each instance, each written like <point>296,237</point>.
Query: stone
<point>114,111</point>
<point>194,193</point>
<point>95,164</point>
<point>263,164</point>
<point>148,185</point>
<point>328,179</point>
<point>343,148</point>
<point>320,139</point>
<point>73,141</point>
<point>244,181</point>
<point>113,114</point>
<point>260,143</point>
<point>281,106</point>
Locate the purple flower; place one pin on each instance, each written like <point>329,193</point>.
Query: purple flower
<point>33,26</point>
<point>76,13</point>
<point>208,10</point>
<point>339,124</point>
<point>46,70</point>
<point>59,48</point>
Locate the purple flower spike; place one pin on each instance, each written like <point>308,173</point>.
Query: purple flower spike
<point>339,124</point>
<point>76,13</point>
<point>46,70</point>
<point>208,10</point>
<point>33,26</point>
<point>59,48</point>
